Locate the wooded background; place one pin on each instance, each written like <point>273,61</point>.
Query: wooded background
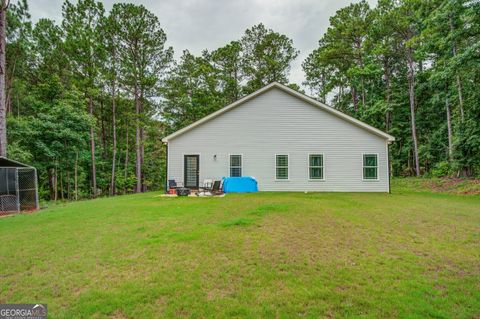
<point>87,100</point>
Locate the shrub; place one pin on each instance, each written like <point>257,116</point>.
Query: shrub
<point>442,169</point>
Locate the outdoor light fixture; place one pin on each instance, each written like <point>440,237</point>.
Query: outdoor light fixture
<point>215,157</point>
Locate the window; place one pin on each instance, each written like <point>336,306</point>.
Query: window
<point>315,166</point>
<point>281,166</point>
<point>235,165</point>
<point>370,166</point>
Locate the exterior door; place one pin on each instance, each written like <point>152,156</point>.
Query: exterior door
<point>191,170</point>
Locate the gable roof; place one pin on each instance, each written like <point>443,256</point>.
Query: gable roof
<point>293,93</point>
<point>6,162</point>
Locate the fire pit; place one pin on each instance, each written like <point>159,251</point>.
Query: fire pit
<point>183,191</point>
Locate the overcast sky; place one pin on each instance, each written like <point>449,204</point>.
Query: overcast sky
<point>209,24</point>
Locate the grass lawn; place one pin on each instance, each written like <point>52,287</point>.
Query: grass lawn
<point>413,254</point>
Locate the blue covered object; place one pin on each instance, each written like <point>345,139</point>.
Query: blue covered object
<point>240,185</point>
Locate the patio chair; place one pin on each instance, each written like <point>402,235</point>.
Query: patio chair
<point>172,184</point>
<point>207,185</point>
<point>217,188</point>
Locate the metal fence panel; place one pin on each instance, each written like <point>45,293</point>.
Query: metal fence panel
<point>18,189</point>
<point>27,188</point>
<point>8,190</point>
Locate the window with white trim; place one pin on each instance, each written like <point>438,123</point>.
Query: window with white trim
<point>370,166</point>
<point>315,166</point>
<point>235,165</point>
<point>281,167</point>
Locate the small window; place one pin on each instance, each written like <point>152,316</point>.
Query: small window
<point>235,165</point>
<point>281,167</point>
<point>370,166</point>
<point>315,166</point>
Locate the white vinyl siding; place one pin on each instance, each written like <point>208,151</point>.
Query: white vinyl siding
<point>235,165</point>
<point>276,122</point>
<point>315,167</point>
<point>281,167</point>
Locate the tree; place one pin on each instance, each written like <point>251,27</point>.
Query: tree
<point>405,25</point>
<point>82,23</point>
<point>319,75</point>
<point>111,71</point>
<point>3,109</point>
<point>190,91</point>
<point>48,57</point>
<point>385,48</point>
<point>18,54</point>
<point>57,132</point>
<point>113,79</point>
<point>144,58</point>
<point>227,62</point>
<point>267,56</point>
<point>341,60</point>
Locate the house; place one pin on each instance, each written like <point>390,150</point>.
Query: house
<point>287,141</point>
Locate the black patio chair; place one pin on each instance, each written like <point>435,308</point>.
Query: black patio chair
<point>172,184</point>
<point>217,187</point>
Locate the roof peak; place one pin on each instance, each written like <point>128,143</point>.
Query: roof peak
<point>292,92</point>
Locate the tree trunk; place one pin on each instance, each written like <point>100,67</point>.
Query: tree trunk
<point>3,69</point>
<point>458,80</point>
<point>449,128</point>
<point>142,155</point>
<point>114,146</point>
<point>138,151</point>
<point>236,90</point>
<point>8,89</point>
<point>92,149</point>
<point>104,131</point>
<point>69,197</point>
<point>126,162</point>
<point>55,182</point>
<point>142,144</point>
<point>51,182</point>
<point>388,94</point>
<point>460,98</point>
<point>354,99</point>
<point>62,196</point>
<point>323,95</point>
<point>411,93</point>
<point>363,94</point>
<point>76,176</point>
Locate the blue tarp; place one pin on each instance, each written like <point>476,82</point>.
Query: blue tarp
<point>240,185</point>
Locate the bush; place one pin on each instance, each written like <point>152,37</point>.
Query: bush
<point>442,169</point>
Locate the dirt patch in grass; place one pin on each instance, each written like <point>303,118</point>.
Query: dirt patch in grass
<point>449,185</point>
<point>454,185</point>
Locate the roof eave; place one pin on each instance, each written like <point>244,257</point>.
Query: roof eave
<point>220,111</point>
<point>16,162</point>
<point>338,113</point>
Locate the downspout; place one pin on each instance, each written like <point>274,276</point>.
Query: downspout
<point>388,167</point>
<point>166,167</point>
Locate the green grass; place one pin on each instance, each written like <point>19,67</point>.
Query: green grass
<point>274,255</point>
<point>443,185</point>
